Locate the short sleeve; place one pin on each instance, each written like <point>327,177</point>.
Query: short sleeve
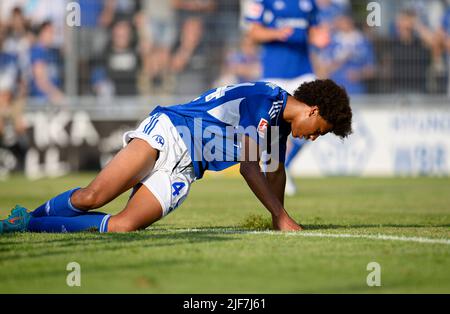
<point>37,54</point>
<point>446,23</point>
<point>254,11</point>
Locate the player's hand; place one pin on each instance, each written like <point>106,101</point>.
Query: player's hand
<point>319,36</point>
<point>282,34</point>
<point>285,223</point>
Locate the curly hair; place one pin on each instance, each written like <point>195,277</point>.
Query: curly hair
<point>333,103</point>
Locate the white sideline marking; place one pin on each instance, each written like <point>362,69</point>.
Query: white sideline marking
<point>320,235</point>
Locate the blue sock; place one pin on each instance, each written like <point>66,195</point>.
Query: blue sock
<point>88,222</point>
<point>59,206</point>
<point>297,145</point>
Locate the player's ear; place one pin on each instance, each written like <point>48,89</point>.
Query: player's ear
<point>313,111</point>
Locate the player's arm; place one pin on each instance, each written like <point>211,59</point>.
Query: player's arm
<point>277,181</point>
<point>251,171</point>
<point>319,36</point>
<point>40,73</point>
<point>262,34</point>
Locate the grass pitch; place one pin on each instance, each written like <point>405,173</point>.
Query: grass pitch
<point>216,243</point>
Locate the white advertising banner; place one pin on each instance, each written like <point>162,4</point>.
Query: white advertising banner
<point>386,142</point>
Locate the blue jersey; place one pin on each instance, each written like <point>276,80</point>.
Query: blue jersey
<point>90,12</point>
<point>288,59</point>
<point>50,58</point>
<point>446,22</point>
<point>216,121</point>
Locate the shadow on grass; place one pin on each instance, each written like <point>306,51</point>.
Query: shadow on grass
<point>259,222</point>
<point>86,242</point>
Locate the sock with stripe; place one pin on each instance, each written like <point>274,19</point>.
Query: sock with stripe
<point>88,222</point>
<point>59,206</point>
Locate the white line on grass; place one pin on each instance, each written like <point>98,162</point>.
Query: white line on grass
<point>320,235</point>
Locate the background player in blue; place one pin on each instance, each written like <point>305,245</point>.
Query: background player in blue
<point>286,28</point>
<point>160,162</point>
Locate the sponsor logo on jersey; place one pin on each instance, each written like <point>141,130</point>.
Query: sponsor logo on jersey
<point>159,139</point>
<point>305,5</point>
<point>262,127</point>
<point>279,5</point>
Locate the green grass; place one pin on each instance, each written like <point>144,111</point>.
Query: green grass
<point>169,258</point>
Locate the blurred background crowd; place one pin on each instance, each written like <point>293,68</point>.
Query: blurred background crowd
<point>129,47</point>
<point>129,55</point>
<point>179,47</point>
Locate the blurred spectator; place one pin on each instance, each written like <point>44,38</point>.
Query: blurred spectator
<point>191,16</point>
<point>11,103</point>
<point>45,62</point>
<point>157,33</point>
<point>349,59</point>
<point>410,53</point>
<point>40,11</point>
<point>242,65</point>
<point>127,9</point>
<point>222,37</point>
<point>18,41</point>
<point>444,34</point>
<point>189,62</point>
<point>329,10</point>
<point>121,62</point>
<point>9,76</point>
<point>7,7</point>
<point>96,17</point>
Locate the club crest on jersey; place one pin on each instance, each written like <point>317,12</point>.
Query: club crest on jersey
<point>279,5</point>
<point>262,127</point>
<point>159,139</point>
<point>305,5</point>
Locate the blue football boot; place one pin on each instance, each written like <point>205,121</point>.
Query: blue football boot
<point>16,222</point>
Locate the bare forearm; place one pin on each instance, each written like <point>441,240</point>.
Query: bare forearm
<point>260,187</point>
<point>277,182</point>
<point>262,34</point>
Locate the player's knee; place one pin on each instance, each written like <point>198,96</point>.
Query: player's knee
<point>116,224</point>
<point>86,199</point>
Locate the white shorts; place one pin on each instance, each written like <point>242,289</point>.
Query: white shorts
<point>171,178</point>
<point>290,85</point>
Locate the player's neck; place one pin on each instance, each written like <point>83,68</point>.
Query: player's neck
<point>293,109</point>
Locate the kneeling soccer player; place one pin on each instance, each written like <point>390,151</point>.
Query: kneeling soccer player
<point>173,147</point>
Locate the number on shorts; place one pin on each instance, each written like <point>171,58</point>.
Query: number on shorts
<point>177,187</point>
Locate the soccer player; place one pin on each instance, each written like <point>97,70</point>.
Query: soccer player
<point>175,145</point>
<point>286,29</point>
